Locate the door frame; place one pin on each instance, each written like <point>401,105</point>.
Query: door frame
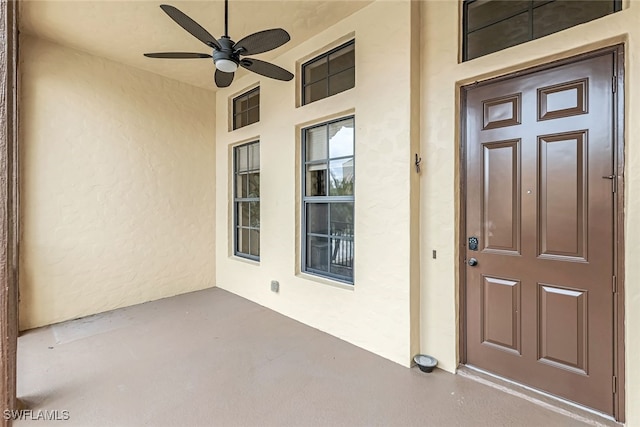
<point>9,205</point>
<point>618,227</point>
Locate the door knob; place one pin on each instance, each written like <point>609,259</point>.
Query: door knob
<point>473,262</point>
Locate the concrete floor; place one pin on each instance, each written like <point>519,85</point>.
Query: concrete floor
<point>211,358</point>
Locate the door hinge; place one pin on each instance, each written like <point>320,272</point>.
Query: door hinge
<point>615,384</point>
<point>615,284</point>
<point>614,83</point>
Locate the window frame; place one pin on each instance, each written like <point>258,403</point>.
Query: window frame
<point>238,200</point>
<point>617,6</point>
<point>317,58</point>
<point>235,112</point>
<point>328,199</point>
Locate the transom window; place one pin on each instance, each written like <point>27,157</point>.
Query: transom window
<point>246,108</point>
<point>328,199</point>
<point>246,201</point>
<point>493,25</point>
<point>330,73</point>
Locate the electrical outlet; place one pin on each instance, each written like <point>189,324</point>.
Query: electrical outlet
<point>275,286</point>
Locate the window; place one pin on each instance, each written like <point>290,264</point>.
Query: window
<point>246,201</point>
<point>246,108</point>
<point>328,178</point>
<point>330,73</point>
<point>493,25</point>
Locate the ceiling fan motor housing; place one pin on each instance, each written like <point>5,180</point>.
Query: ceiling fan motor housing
<point>226,52</point>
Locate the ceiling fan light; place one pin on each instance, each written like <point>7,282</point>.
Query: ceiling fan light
<point>226,65</point>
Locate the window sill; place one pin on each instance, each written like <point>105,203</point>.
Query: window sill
<point>245,260</point>
<point>325,281</point>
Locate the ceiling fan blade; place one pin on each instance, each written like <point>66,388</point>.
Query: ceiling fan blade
<point>266,69</point>
<point>190,25</point>
<point>177,55</point>
<point>223,79</point>
<point>262,41</point>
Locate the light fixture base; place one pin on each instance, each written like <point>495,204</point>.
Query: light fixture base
<point>226,65</point>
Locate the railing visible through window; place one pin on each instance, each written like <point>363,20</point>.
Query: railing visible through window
<point>342,244</point>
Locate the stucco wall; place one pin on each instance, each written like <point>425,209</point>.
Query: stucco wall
<point>441,76</point>
<point>117,183</point>
<point>119,170</point>
<point>375,313</point>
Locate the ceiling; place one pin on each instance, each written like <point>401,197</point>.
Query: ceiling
<point>123,30</point>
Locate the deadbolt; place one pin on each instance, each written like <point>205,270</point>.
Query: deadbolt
<point>473,262</point>
<point>473,243</point>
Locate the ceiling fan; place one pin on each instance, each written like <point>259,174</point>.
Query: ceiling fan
<point>226,53</point>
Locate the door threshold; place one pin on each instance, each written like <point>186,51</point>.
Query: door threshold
<point>540,398</point>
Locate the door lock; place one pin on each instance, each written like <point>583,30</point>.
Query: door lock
<point>472,262</point>
<point>473,243</point>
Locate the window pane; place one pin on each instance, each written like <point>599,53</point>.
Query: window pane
<point>342,257</point>
<point>315,71</point>
<point>317,218</point>
<point>344,58</point>
<point>237,121</point>
<point>241,158</point>
<point>254,209</point>
<point>254,184</point>
<point>316,180</point>
<point>241,186</point>
<point>342,219</point>
<point>237,107</point>
<point>342,247</point>
<point>316,140</point>
<point>500,36</point>
<point>243,213</point>
<point>484,12</point>
<point>254,156</point>
<point>253,116</point>
<point>254,99</point>
<point>556,16</point>
<point>254,242</point>
<point>318,253</point>
<point>243,240</point>
<point>315,91</point>
<point>243,104</point>
<point>341,173</point>
<point>342,81</point>
<point>246,109</point>
<point>341,138</point>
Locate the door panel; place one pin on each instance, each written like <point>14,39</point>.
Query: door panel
<point>563,100</point>
<point>562,212</point>
<point>501,196</point>
<point>562,327</point>
<point>501,313</point>
<point>539,302</point>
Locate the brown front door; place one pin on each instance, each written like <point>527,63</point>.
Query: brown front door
<point>540,209</point>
